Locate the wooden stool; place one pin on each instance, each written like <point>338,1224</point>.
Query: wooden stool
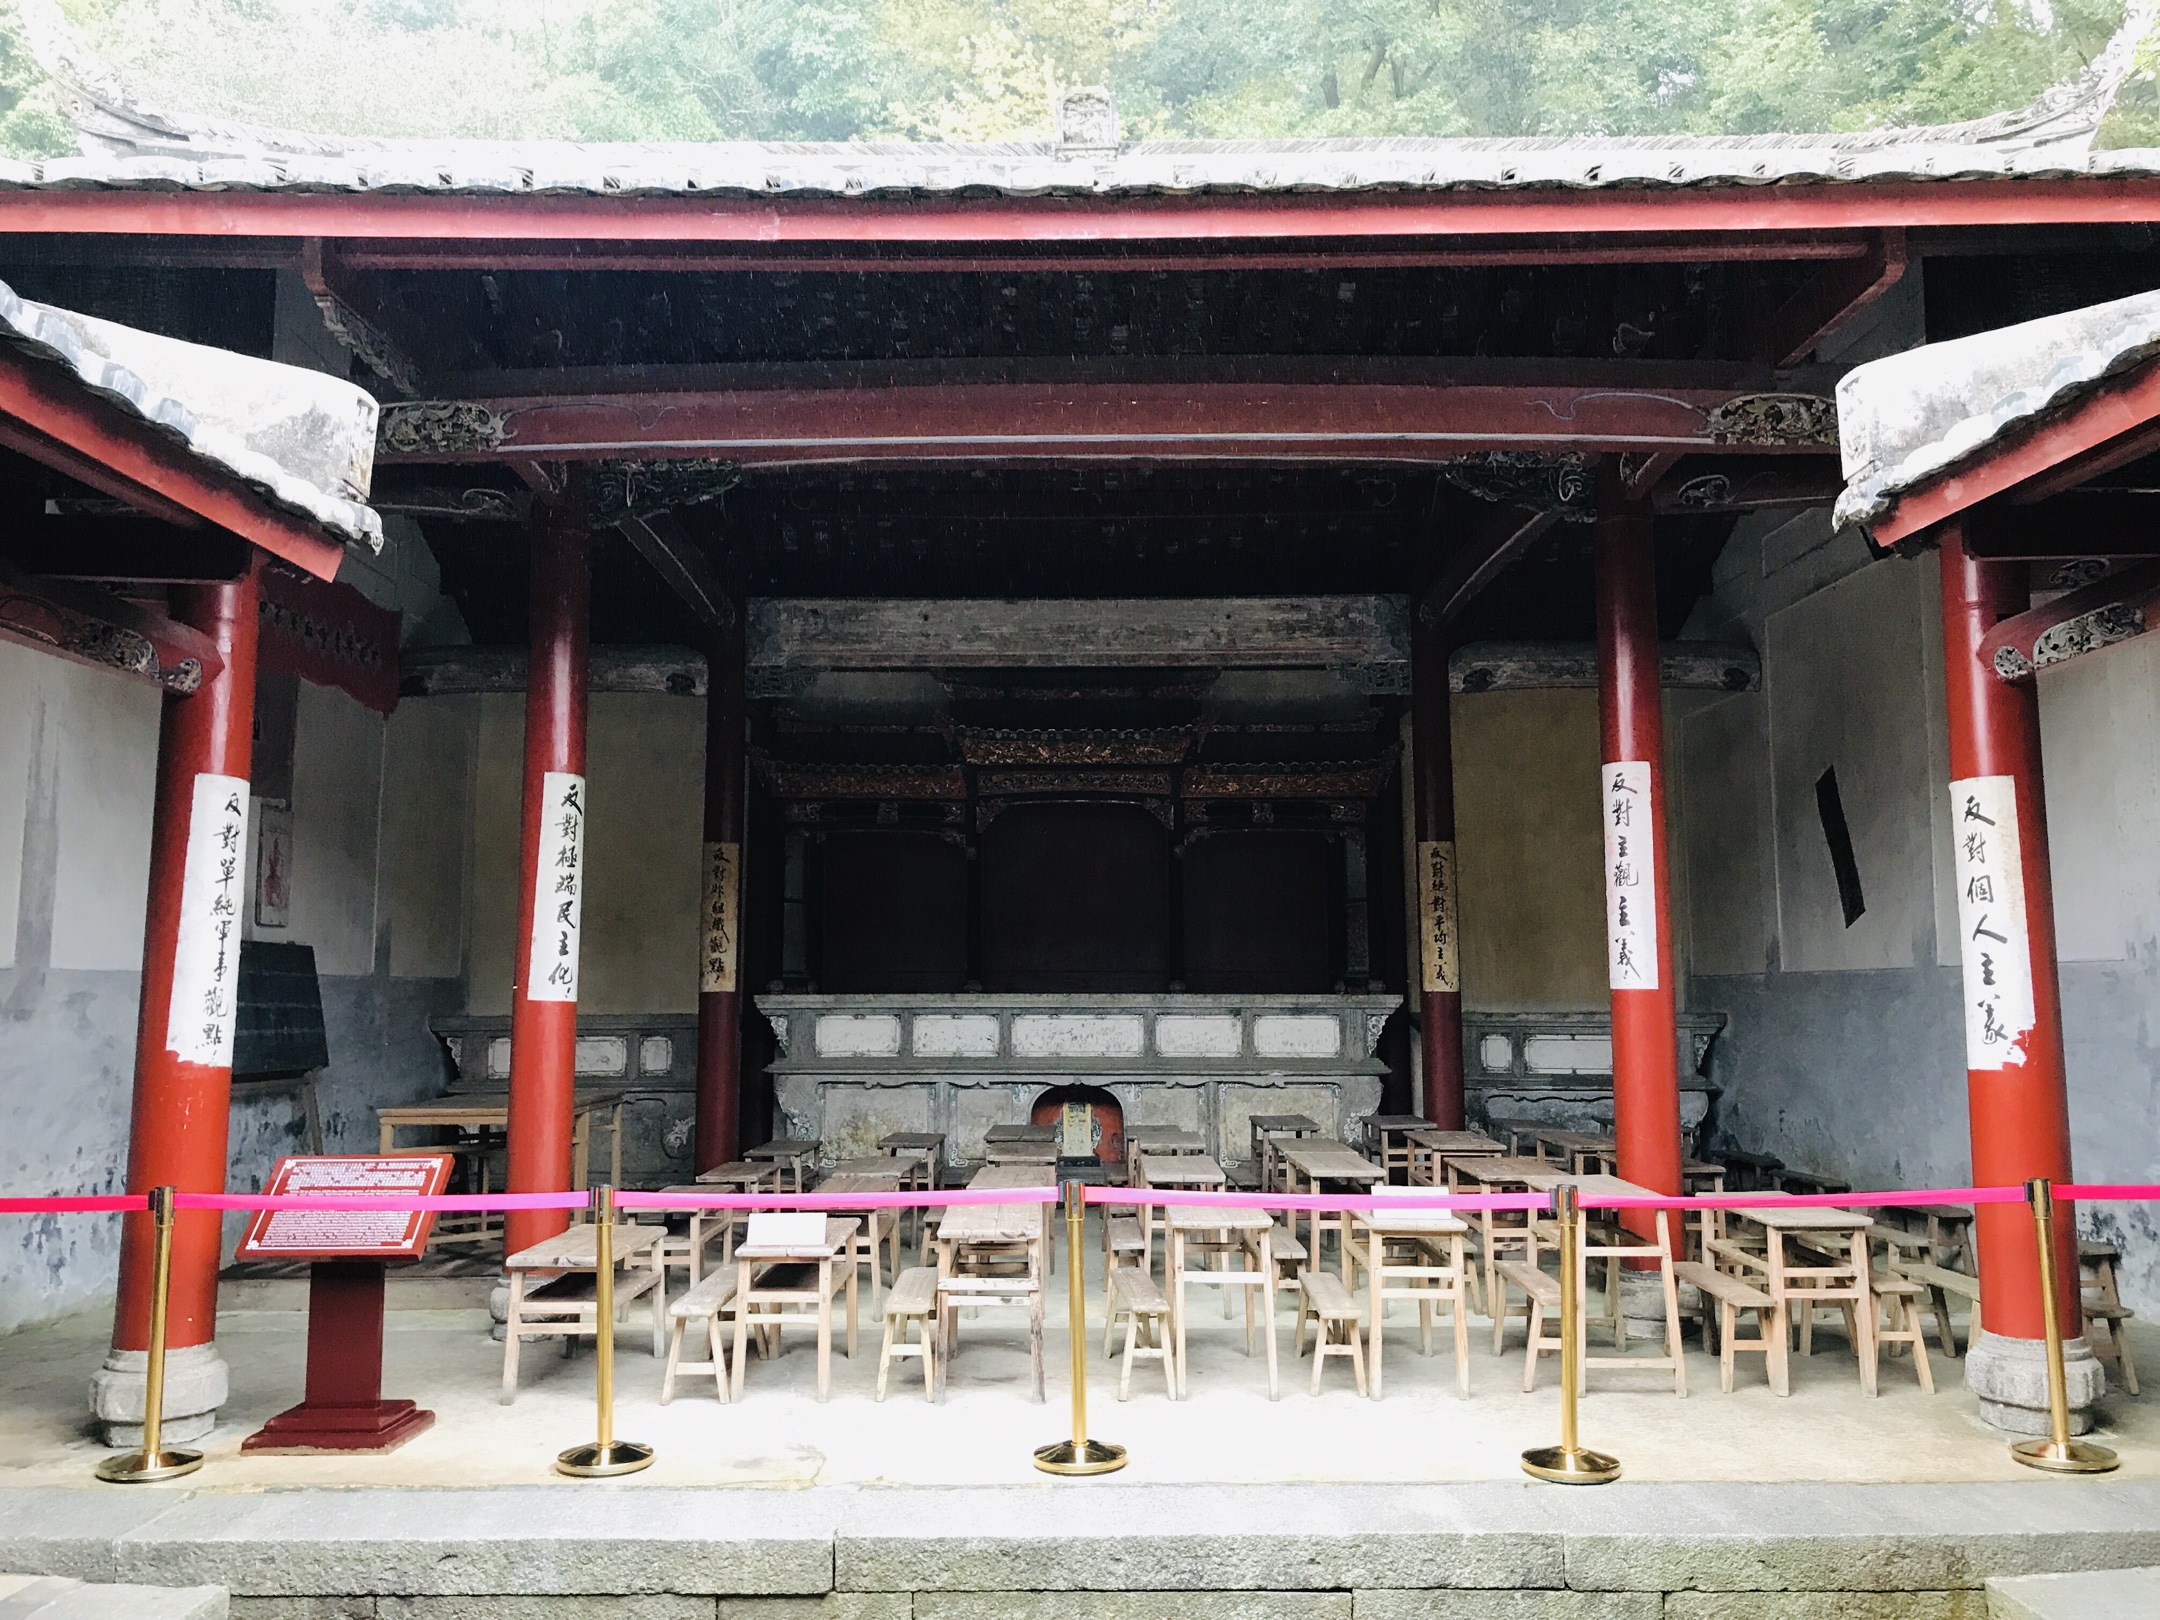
<point>706,1302</point>
<point>913,1298</point>
<point>1732,1296</point>
<point>1322,1296</point>
<point>1541,1294</point>
<point>1135,1297</point>
<point>2114,1345</point>
<point>1288,1251</point>
<point>1899,1305</point>
<point>1124,1248</point>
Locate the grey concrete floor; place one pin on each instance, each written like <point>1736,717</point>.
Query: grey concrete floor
<point>984,1431</point>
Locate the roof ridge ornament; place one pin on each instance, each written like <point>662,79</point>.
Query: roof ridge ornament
<point>1086,116</point>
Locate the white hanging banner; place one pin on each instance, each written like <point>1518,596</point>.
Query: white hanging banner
<point>206,954</point>
<point>1992,933</point>
<point>1441,960</point>
<point>717,960</point>
<point>558,889</point>
<point>1631,942</point>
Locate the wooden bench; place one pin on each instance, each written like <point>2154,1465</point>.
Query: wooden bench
<point>1323,1298</point>
<point>1899,1302</point>
<point>1541,1295</point>
<point>913,1298</point>
<point>1731,1296</point>
<point>551,1296</point>
<point>706,1302</point>
<point>1288,1251</point>
<point>1941,1282</point>
<point>1135,1297</point>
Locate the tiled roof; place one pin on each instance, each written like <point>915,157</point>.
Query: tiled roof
<point>304,440</point>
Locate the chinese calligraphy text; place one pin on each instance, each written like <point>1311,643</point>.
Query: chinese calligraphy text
<point>558,889</point>
<point>206,956</point>
<point>1630,875</point>
<point>1993,941</point>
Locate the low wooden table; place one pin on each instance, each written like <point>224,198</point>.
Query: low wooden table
<point>1020,1153</point>
<point>1172,1170</point>
<point>928,1146</point>
<point>552,1288</point>
<point>1220,1234</point>
<point>1613,1244</point>
<point>1805,1285</point>
<point>991,1232</point>
<point>1430,1245</point>
<point>1319,1160</point>
<point>1158,1139</point>
<point>879,1226</point>
<point>1499,1231</point>
<point>1429,1147</point>
<point>1020,1133</point>
<point>792,1155</point>
<point>1267,1130</point>
<point>1580,1152</point>
<point>484,1111</point>
<point>753,1290</point>
<point>1389,1136</point>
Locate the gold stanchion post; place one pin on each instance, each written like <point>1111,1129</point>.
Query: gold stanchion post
<point>154,1462</point>
<point>1568,1463</point>
<point>1079,1455</point>
<point>607,1455</point>
<point>2058,1454</point>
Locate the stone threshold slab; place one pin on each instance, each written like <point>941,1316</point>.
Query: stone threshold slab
<point>1078,1536</point>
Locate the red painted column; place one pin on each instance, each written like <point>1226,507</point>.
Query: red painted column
<point>183,1053</point>
<point>1439,958</point>
<point>2020,1115</point>
<point>719,1069</point>
<point>1631,807</point>
<point>543,1013</point>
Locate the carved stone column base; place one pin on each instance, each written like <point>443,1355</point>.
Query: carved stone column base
<point>196,1385</point>
<point>2010,1377</point>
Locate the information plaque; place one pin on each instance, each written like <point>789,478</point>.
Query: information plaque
<point>347,1234</point>
<point>348,1251</point>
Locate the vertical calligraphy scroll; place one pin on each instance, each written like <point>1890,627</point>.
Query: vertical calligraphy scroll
<point>558,889</point>
<point>719,956</point>
<point>206,951</point>
<point>1631,940</point>
<point>1994,942</point>
<point>1438,950</point>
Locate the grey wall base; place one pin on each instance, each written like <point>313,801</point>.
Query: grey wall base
<point>1095,1551</point>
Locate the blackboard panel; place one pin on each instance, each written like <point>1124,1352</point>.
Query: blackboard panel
<point>281,1022</point>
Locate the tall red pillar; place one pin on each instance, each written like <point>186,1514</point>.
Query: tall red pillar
<point>1439,958</point>
<point>2015,1086</point>
<point>551,867</point>
<point>184,1040</point>
<point>1631,807</point>
<point>719,1069</point>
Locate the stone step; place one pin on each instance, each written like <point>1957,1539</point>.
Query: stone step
<point>2093,1594</point>
<point>59,1597</point>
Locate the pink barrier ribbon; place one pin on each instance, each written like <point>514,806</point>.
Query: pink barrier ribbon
<point>857,1200</point>
<point>118,1203</point>
<point>488,1203</point>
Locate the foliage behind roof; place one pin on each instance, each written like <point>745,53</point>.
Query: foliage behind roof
<point>127,143</point>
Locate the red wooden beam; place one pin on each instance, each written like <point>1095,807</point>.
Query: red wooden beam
<point>2077,622</point>
<point>95,627</point>
<point>1830,299</point>
<point>1798,206</point>
<point>993,420</point>
<point>370,254</point>
<point>2104,431</point>
<point>62,425</point>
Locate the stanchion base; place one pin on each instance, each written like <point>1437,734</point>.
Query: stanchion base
<point>600,1462</point>
<point>2067,1457</point>
<point>1080,1457</point>
<point>1565,1467</point>
<point>147,1468</point>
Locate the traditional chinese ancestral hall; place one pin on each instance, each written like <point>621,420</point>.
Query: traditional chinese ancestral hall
<point>873,638</point>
